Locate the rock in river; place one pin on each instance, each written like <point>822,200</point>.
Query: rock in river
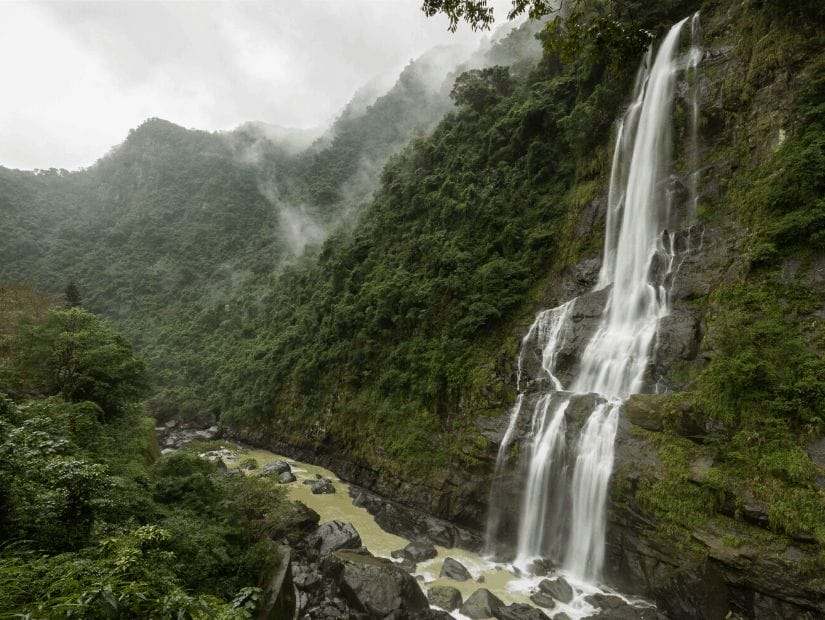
<point>333,536</point>
<point>376,586</point>
<point>453,569</point>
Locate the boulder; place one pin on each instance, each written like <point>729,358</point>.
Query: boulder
<point>605,601</point>
<point>275,468</point>
<point>445,597</point>
<point>417,551</point>
<point>306,577</point>
<point>543,600</point>
<point>407,564</point>
<point>430,614</point>
<point>295,522</point>
<point>481,604</point>
<point>520,611</point>
<point>322,487</point>
<point>561,616</point>
<point>333,536</point>
<point>558,588</point>
<point>286,477</point>
<point>375,586</point>
<point>453,569</point>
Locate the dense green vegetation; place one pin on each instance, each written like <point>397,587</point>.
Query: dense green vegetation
<point>763,391</point>
<point>389,339</point>
<point>94,523</point>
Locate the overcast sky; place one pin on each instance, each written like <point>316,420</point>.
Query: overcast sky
<point>78,75</point>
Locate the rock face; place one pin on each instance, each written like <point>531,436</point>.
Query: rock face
<point>375,586</point>
<point>445,597</point>
<point>333,536</point>
<point>455,570</point>
<point>481,604</point>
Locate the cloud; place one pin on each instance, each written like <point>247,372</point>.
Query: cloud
<point>79,75</point>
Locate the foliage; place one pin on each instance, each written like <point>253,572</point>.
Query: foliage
<point>77,355</point>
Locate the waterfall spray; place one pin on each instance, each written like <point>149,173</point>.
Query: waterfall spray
<point>563,512</point>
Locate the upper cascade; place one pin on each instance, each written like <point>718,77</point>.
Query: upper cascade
<point>563,512</point>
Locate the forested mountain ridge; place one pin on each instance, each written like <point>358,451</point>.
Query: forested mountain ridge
<point>173,224</point>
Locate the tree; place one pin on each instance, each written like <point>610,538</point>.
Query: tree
<point>72,296</point>
<point>480,88</point>
<point>78,356</point>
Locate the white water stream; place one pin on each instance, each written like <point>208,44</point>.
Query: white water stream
<point>563,511</point>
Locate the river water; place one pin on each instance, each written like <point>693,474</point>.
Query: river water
<point>503,580</point>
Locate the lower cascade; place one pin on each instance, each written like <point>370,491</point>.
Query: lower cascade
<point>572,386</point>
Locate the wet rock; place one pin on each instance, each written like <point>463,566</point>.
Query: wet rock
<point>445,597</point>
<point>543,600</point>
<point>627,612</point>
<point>333,536</point>
<point>697,591</point>
<point>605,601</point>
<point>453,569</point>
<point>558,588</point>
<point>431,614</point>
<point>286,477</point>
<point>306,577</point>
<point>407,564</point>
<point>481,604</point>
<point>375,586</point>
<point>417,551</point>
<point>275,468</point>
<point>561,616</point>
<point>541,567</point>
<point>295,522</point>
<point>322,487</point>
<point>520,611</point>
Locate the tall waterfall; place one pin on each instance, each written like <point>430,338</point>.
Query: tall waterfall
<point>563,510</point>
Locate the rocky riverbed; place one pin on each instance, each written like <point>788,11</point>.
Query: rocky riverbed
<point>344,565</point>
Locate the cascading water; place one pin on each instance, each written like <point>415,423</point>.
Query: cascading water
<point>563,511</point>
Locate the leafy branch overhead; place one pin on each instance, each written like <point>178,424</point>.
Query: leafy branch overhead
<point>590,29</point>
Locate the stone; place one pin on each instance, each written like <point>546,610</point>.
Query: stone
<point>286,477</point>
<point>445,597</point>
<point>520,611</point>
<point>430,614</point>
<point>322,487</point>
<point>453,569</point>
<point>407,564</point>
<point>558,588</point>
<point>541,567</point>
<point>561,616</point>
<point>333,536</point>
<point>275,467</point>
<point>605,601</point>
<point>295,522</point>
<point>306,578</point>
<point>543,600</point>
<point>376,586</point>
<point>481,604</point>
<point>419,551</point>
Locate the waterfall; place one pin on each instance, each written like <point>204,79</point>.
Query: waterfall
<point>563,510</point>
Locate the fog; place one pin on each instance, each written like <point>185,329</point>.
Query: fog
<point>79,75</point>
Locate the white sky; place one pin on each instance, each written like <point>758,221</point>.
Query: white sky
<point>76,76</point>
